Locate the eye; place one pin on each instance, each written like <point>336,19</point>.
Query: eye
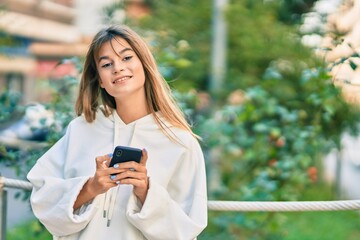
<point>106,65</point>
<point>127,58</point>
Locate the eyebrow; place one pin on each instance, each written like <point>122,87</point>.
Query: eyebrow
<point>121,52</point>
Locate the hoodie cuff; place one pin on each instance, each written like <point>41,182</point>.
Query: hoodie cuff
<point>134,204</point>
<point>156,198</point>
<point>87,209</point>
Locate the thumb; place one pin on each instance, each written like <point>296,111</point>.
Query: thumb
<point>144,157</point>
<point>102,161</point>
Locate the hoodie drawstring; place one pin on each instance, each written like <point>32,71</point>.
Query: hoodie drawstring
<point>111,195</point>
<point>109,204</point>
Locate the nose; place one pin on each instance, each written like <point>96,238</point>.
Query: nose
<point>118,67</point>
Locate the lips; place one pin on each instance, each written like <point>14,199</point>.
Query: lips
<point>121,79</point>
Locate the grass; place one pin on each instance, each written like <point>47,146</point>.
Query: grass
<point>342,225</point>
<point>333,225</point>
<point>31,230</point>
<point>323,226</point>
<point>318,225</point>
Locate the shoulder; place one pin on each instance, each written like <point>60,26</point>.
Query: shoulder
<point>183,136</point>
<point>184,139</point>
<point>80,124</point>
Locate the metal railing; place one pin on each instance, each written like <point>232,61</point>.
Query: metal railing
<point>239,206</point>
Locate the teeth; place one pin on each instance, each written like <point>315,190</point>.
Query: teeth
<point>121,79</point>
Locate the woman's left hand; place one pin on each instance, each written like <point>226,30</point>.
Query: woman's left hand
<point>135,174</point>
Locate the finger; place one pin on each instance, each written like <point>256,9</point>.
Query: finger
<point>102,162</point>
<point>133,166</point>
<point>99,162</point>
<point>102,183</point>
<point>132,174</point>
<point>142,183</point>
<point>107,159</point>
<point>144,157</point>
<point>116,179</point>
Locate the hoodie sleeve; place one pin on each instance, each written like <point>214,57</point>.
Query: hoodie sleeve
<point>178,211</point>
<point>53,195</point>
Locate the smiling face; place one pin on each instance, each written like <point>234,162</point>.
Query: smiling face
<point>120,70</point>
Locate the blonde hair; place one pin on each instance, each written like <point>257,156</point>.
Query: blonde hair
<point>157,91</point>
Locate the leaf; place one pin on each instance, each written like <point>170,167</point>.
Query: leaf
<point>355,55</point>
<point>260,127</point>
<point>353,65</point>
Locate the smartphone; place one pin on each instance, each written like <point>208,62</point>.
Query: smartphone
<point>125,154</point>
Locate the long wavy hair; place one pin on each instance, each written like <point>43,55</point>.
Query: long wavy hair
<point>157,91</point>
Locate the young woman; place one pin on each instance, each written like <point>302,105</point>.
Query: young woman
<point>123,100</point>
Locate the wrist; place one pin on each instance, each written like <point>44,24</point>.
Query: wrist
<point>86,195</point>
<point>142,196</point>
<point>89,188</point>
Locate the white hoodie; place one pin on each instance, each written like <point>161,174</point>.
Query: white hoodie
<point>176,203</point>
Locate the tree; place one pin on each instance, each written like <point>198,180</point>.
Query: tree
<point>253,41</point>
<point>270,144</point>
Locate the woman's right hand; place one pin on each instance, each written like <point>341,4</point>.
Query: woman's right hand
<point>99,183</point>
<point>102,180</point>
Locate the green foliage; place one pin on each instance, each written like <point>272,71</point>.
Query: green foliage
<point>178,28</point>
<point>63,99</point>
<point>290,11</point>
<point>9,102</point>
<point>9,112</point>
<point>253,42</point>
<point>256,42</point>
<point>271,145</point>
<point>172,59</point>
<point>32,230</point>
<point>22,159</point>
<point>327,225</point>
<point>270,141</point>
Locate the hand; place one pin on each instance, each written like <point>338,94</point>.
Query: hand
<point>135,174</point>
<point>99,183</point>
<point>104,177</point>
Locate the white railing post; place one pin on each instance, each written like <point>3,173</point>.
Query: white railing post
<point>3,205</point>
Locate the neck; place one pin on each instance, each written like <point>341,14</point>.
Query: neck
<point>131,110</point>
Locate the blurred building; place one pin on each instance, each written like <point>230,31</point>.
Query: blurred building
<point>39,34</point>
<point>333,30</point>
<point>35,35</point>
<point>344,25</point>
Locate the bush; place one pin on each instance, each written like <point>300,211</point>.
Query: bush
<point>269,147</point>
